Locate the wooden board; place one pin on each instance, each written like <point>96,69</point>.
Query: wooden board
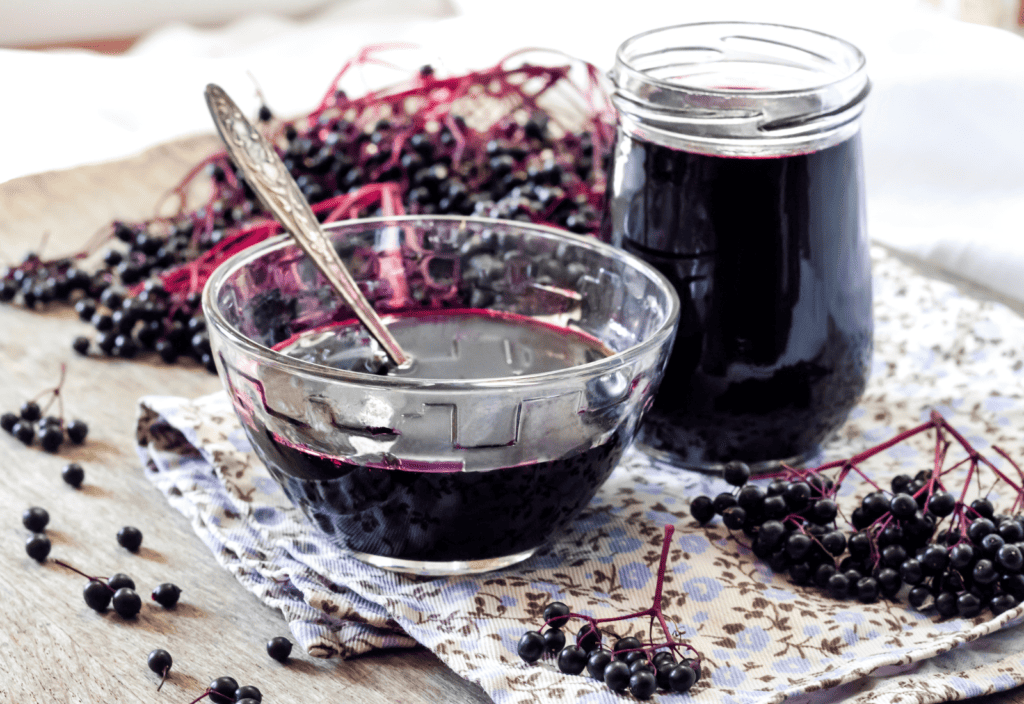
<point>53,648</point>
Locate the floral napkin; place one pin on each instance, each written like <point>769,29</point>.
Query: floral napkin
<point>762,639</point>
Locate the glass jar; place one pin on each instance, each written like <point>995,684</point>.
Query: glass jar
<point>737,172</point>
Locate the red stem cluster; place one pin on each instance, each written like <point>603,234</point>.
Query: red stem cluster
<point>655,612</point>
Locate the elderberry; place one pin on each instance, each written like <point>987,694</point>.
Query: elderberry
<point>127,602</point>
<point>642,685</point>
<point>120,580</point>
<point>159,661</point>
<point>736,473</point>
<point>38,547</point>
<point>81,345</point>
<point>616,676</point>
<point>681,678</point>
<point>51,438</point>
<point>702,509</point>
<point>279,648</point>
<point>97,595</point>
<point>556,614</point>
<point>554,640</point>
<point>24,432</point>
<point>166,595</point>
<point>30,411</point>
<point>222,690</point>
<point>130,538</point>
<point>588,638</point>
<point>572,660</point>
<point>597,663</point>
<point>35,519</point>
<point>248,692</point>
<point>73,474</point>
<point>973,562</point>
<point>630,664</point>
<point>8,421</point>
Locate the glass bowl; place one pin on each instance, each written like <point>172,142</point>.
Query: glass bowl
<point>441,475</point>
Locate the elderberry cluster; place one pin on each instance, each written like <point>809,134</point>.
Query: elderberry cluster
<point>630,664</point>
<point>29,424</point>
<point>148,321</point>
<point>893,546</point>
<point>144,294</point>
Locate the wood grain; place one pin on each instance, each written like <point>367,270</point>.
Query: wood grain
<point>53,648</point>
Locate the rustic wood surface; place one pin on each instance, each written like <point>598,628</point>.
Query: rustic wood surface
<point>53,648</point>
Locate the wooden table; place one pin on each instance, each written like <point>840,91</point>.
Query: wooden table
<point>52,646</point>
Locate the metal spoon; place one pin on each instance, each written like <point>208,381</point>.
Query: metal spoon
<point>269,178</point>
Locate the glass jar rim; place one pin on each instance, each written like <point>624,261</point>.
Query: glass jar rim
<point>724,87</point>
<point>857,63</point>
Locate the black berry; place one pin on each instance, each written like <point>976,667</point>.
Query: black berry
<point>588,638</point>
<point>127,602</point>
<point>642,685</point>
<point>280,648</point>
<point>30,411</point>
<point>35,519</point>
<point>159,661</point>
<point>120,580</point>
<point>51,438</point>
<point>572,659</point>
<point>23,431</point>
<point>38,547</point>
<point>556,614</point>
<point>554,640</point>
<point>7,422</point>
<point>736,473</point>
<point>73,474</point>
<point>166,595</point>
<point>97,595</point>
<point>248,692</point>
<point>702,509</point>
<point>681,678</point>
<point>222,690</point>
<point>77,430</point>
<point>597,662</point>
<point>616,676</point>
<point>130,538</point>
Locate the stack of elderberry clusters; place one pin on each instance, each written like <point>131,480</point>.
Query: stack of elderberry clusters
<point>896,540</point>
<point>144,295</point>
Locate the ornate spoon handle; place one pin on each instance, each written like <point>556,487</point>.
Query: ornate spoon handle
<point>266,173</point>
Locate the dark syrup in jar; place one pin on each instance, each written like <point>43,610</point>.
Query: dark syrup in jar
<point>772,268</point>
<point>412,513</point>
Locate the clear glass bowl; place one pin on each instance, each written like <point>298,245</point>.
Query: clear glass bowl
<point>441,476</point>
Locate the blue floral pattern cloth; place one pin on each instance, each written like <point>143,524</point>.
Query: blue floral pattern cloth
<point>762,639</point>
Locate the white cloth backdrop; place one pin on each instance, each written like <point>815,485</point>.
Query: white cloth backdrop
<point>943,134</point>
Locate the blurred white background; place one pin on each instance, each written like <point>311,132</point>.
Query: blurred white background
<point>944,143</point>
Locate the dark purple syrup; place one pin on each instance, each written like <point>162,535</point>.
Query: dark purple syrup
<point>441,516</point>
<point>771,264</point>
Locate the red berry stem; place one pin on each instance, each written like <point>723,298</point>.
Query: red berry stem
<point>205,694</point>
<point>65,565</point>
<point>655,612</point>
